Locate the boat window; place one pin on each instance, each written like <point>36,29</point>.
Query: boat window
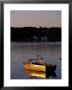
<point>36,63</point>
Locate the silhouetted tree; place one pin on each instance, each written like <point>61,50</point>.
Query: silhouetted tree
<point>26,34</point>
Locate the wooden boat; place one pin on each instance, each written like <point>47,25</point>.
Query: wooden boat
<point>35,67</point>
<point>40,65</point>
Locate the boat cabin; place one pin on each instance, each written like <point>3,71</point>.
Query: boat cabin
<point>37,61</point>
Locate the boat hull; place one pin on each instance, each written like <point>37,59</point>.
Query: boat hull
<point>42,68</point>
<point>35,67</point>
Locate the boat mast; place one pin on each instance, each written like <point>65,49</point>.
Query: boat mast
<point>36,52</point>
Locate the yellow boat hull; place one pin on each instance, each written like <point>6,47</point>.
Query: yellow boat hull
<point>35,67</point>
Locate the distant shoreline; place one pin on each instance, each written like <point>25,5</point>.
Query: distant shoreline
<point>34,34</point>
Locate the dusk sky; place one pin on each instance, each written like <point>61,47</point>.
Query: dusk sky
<point>35,18</point>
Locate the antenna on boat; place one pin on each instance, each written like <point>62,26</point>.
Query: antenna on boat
<point>36,52</point>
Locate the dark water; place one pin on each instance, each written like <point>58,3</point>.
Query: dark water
<point>21,52</point>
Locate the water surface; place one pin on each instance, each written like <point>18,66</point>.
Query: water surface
<point>21,52</point>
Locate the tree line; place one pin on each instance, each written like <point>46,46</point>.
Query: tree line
<point>31,34</point>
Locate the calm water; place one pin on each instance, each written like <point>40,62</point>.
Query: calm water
<point>21,52</point>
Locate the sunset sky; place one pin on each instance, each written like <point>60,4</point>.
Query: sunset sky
<point>35,18</point>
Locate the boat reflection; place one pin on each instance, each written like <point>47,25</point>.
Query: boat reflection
<point>38,74</point>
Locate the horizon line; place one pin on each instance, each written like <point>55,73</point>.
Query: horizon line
<point>36,27</point>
